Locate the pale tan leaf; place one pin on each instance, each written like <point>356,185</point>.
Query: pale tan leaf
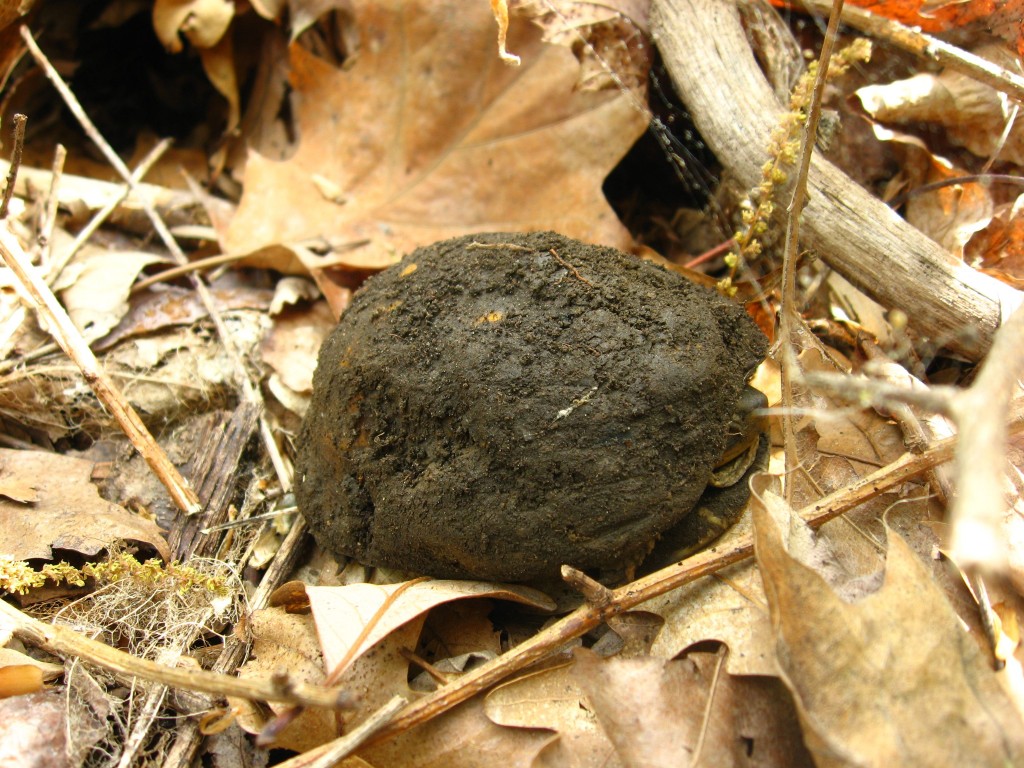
<point>94,288</point>
<point>20,489</point>
<point>657,713</point>
<point>553,698</point>
<point>464,737</point>
<point>973,114</point>
<point>10,657</point>
<point>291,346</point>
<point>203,22</point>
<point>730,609</point>
<point>285,643</point>
<point>342,612</point>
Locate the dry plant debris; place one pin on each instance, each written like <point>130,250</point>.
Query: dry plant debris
<point>322,141</point>
<point>454,143</point>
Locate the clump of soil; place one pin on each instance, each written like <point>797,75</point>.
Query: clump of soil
<point>497,405</point>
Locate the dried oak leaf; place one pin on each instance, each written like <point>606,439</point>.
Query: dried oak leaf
<point>689,711</point>
<point>553,698</point>
<point>425,134</point>
<point>67,512</point>
<point>891,679</point>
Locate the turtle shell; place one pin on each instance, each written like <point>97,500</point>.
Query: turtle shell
<point>495,406</point>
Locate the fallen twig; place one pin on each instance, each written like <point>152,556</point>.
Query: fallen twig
<point>67,642</point>
<point>790,316</point>
<point>67,335</point>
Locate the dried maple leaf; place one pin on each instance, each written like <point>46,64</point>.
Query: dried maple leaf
<point>425,134</point>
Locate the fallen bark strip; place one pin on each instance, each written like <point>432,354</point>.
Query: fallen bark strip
<point>714,71</point>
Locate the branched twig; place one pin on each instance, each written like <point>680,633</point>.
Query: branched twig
<point>46,226</point>
<point>249,389</point>
<point>104,213</point>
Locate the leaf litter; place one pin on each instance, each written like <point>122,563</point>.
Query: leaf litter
<point>412,139</point>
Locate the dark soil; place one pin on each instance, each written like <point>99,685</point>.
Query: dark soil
<point>494,411</point>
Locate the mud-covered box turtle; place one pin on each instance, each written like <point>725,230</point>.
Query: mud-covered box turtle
<point>497,405</point>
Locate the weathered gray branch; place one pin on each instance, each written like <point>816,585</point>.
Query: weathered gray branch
<point>707,54</point>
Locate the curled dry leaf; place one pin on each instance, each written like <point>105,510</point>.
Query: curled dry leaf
<point>999,248</point>
<point>426,135</point>
<point>203,22</point>
<point>290,349</point>
<point>47,671</point>
<point>342,612</point>
<point>973,114</point>
<point>150,312</point>
<point>19,679</point>
<point>68,512</point>
<point>285,643</point>
<point>892,679</point>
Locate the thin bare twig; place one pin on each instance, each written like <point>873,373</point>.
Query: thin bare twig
<point>67,335</point>
<point>46,226</point>
<point>67,642</point>
<point>104,213</point>
<point>790,318</point>
<point>12,174</point>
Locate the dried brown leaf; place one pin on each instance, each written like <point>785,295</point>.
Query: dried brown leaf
<point>657,712</point>
<point>94,288</point>
<point>892,679</point>
<point>285,643</point>
<point>425,135</point>
<point>553,698</point>
<point>464,737</point>
<point>973,114</point>
<point>68,513</point>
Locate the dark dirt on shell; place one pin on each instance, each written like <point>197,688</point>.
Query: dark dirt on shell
<point>497,405</point>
